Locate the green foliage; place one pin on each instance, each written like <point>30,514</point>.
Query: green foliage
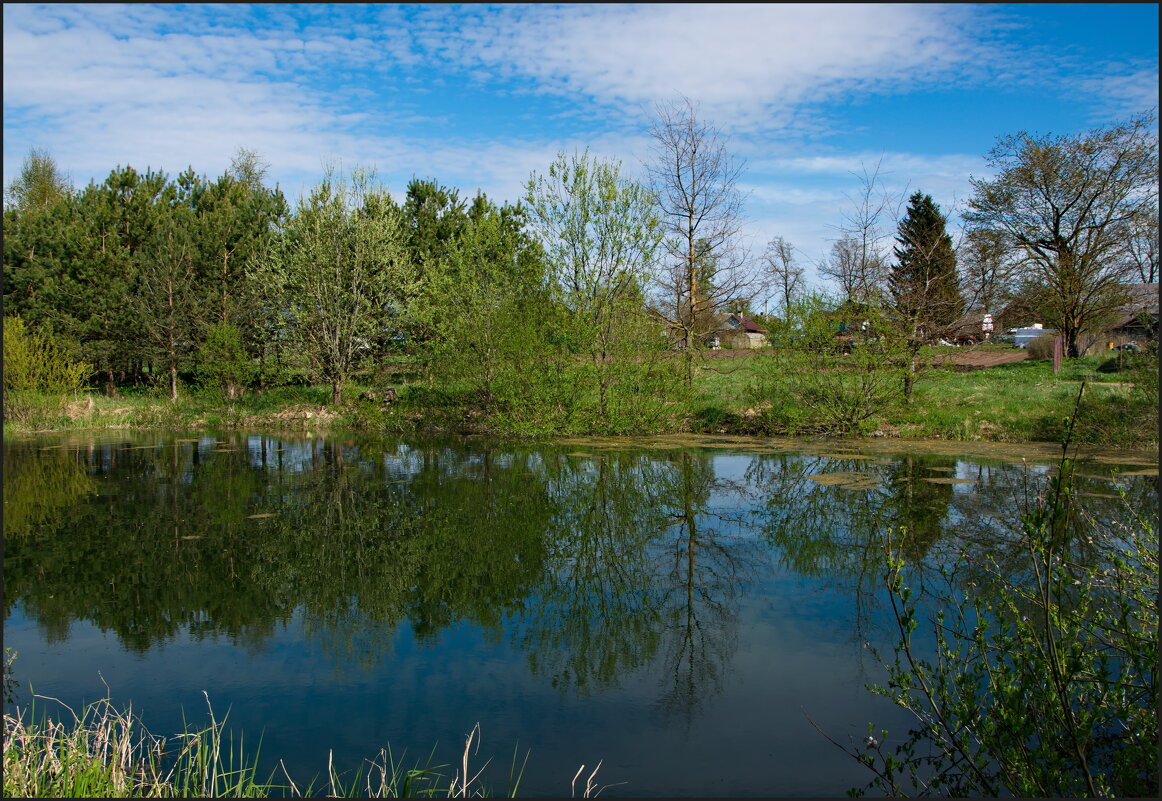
<point>223,361</point>
<point>39,185</point>
<point>37,370</point>
<point>839,366</point>
<point>1044,684</point>
<point>336,272</point>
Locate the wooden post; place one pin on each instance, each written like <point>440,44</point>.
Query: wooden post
<point>1058,347</point>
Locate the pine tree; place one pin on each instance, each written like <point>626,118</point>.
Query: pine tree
<point>924,286</point>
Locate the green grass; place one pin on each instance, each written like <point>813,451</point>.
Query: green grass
<point>755,394</point>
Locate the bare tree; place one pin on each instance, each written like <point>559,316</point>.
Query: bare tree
<point>694,179</point>
<point>860,278</point>
<point>859,258</point>
<point>784,273</point>
<point>1068,204</point>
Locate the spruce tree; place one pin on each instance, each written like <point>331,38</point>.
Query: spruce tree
<point>924,288</point>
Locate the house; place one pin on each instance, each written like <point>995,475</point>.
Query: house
<point>739,331</point>
<point>1139,315</point>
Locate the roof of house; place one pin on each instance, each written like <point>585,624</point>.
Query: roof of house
<point>744,323</point>
<point>1142,299</point>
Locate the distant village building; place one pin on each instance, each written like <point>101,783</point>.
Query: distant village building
<point>739,331</point>
<point>1139,316</point>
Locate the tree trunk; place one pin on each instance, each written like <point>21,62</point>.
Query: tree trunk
<point>335,392</point>
<point>910,378</point>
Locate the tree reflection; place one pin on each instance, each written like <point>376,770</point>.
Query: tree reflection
<point>597,565</point>
<point>647,560</point>
<point>712,557</point>
<point>216,539</point>
<point>595,618</point>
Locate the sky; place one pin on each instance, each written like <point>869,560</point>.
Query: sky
<point>809,97</point>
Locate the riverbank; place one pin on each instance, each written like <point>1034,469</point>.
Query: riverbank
<point>750,394</point>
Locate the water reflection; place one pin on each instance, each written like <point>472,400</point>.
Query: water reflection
<point>599,564</point>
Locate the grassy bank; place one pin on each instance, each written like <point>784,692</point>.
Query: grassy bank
<point>761,394</point>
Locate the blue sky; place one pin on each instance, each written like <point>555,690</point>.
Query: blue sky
<point>478,96</point>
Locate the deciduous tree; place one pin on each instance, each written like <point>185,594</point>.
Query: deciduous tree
<point>1068,203</point>
<point>39,185</point>
<point>600,234</point>
<point>695,180</point>
<point>339,266</point>
<point>786,275</point>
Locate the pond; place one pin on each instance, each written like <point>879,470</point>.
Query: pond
<point>684,609</point>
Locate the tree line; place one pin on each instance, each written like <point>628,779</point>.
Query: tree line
<point>569,303</point>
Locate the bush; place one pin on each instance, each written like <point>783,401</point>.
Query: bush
<point>223,361</point>
<point>1043,685</point>
<point>38,372</point>
<point>1041,348</point>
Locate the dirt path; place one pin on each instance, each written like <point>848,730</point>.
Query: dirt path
<point>980,359</point>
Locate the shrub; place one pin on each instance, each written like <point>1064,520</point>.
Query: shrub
<point>1043,685</point>
<point>1041,348</point>
<point>223,361</point>
<point>38,371</point>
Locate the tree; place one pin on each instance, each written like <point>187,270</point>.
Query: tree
<point>694,179</point>
<point>248,168</point>
<point>988,269</point>
<point>339,267</point>
<point>165,296</point>
<point>787,276</point>
<point>1068,204</point>
<point>859,264</point>
<point>489,308</point>
<point>1143,245</point>
<point>39,185</point>
<point>600,234</point>
<point>236,218</point>
<point>923,284</point>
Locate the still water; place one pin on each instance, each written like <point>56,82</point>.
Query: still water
<point>678,608</point>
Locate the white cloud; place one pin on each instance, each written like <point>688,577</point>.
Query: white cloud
<point>172,86</point>
<point>747,64</point>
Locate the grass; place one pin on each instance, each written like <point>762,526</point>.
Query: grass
<point>1018,402</point>
<point>104,752</point>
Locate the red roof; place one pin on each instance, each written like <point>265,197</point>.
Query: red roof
<point>747,324</point>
